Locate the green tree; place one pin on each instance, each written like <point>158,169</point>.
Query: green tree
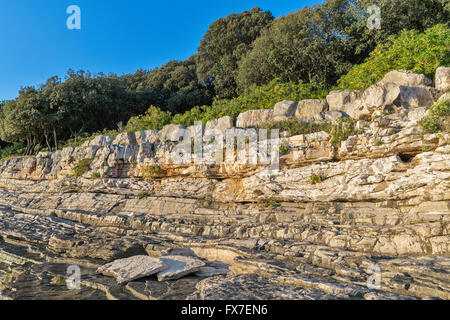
<point>153,119</point>
<point>225,43</point>
<point>303,46</point>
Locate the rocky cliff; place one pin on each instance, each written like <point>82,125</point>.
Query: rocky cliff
<point>331,219</point>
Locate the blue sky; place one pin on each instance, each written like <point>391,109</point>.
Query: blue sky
<point>116,36</point>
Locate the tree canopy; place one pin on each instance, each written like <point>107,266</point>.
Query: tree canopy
<point>245,60</point>
<point>225,43</point>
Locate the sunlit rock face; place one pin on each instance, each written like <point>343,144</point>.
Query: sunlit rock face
<point>330,218</point>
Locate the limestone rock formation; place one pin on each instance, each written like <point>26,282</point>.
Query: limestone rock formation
<point>284,110</point>
<point>254,118</point>
<point>333,214</point>
<point>407,78</point>
<point>309,109</point>
<point>178,267</point>
<point>129,269</point>
<point>442,80</point>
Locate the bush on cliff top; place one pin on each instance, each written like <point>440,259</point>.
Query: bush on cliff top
<point>438,118</point>
<point>411,50</point>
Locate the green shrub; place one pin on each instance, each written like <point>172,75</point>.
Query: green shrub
<point>151,171</point>
<point>82,167</point>
<point>411,50</point>
<point>271,204</point>
<point>342,130</point>
<point>189,117</point>
<point>95,175</point>
<point>284,150</point>
<point>143,195</point>
<point>393,131</point>
<point>13,150</point>
<point>378,143</point>
<point>437,117</point>
<point>153,119</point>
<point>317,178</point>
<point>294,127</point>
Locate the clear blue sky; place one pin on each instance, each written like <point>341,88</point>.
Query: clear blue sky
<point>116,36</point>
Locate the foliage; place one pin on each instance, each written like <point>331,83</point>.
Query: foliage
<point>56,110</point>
<point>316,178</point>
<point>174,86</point>
<point>342,130</point>
<point>150,172</point>
<point>305,52</point>
<point>303,46</point>
<point>271,204</point>
<point>95,175</point>
<point>294,127</point>
<point>284,150</point>
<point>437,118</point>
<point>224,44</point>
<point>419,52</point>
<point>82,167</point>
<point>378,143</point>
<point>321,43</point>
<point>153,119</point>
<point>143,195</point>
<point>12,150</point>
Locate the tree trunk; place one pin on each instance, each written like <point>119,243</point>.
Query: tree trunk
<point>55,138</point>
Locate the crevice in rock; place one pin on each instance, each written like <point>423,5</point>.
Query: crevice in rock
<point>406,158</point>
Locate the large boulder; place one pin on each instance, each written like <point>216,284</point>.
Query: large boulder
<point>442,80</point>
<point>125,139</point>
<point>191,129</point>
<point>168,132</point>
<point>381,95</point>
<point>99,141</point>
<point>129,269</point>
<point>254,118</point>
<point>340,98</point>
<point>150,136</point>
<point>413,97</point>
<point>308,109</point>
<point>221,124</point>
<point>346,101</point>
<point>284,110</point>
<point>406,78</point>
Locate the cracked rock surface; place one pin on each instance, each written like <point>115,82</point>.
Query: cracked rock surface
<point>376,227</point>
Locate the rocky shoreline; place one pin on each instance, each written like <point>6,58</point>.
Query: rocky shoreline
<point>381,204</point>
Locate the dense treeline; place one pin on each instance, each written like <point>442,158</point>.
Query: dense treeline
<point>245,60</point>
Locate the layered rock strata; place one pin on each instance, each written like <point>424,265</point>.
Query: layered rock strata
<point>366,219</point>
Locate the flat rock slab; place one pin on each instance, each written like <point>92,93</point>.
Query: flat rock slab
<point>179,266</point>
<point>205,272</point>
<point>129,269</point>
